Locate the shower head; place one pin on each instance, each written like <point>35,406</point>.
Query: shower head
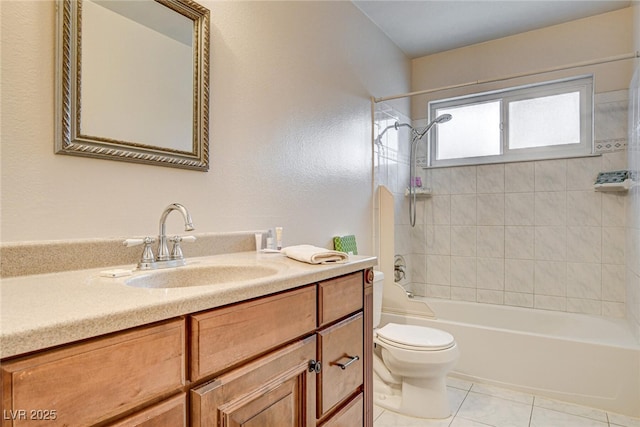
<point>443,118</point>
<point>438,120</point>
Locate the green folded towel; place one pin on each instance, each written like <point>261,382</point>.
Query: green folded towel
<point>346,244</point>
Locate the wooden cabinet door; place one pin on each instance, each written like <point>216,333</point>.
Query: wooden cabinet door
<point>87,383</point>
<point>340,349</point>
<point>276,390</point>
<point>349,416</point>
<point>171,412</point>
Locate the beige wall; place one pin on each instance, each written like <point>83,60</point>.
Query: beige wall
<point>582,40</point>
<point>290,131</point>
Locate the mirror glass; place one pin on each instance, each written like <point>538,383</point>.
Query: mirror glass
<point>133,81</point>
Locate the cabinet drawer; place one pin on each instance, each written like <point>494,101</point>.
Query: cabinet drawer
<point>168,413</point>
<point>340,350</point>
<point>349,416</point>
<point>224,337</point>
<point>339,297</point>
<point>90,382</point>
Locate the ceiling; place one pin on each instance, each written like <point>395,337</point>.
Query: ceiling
<point>424,27</point>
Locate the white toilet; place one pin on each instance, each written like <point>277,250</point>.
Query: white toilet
<point>411,364</point>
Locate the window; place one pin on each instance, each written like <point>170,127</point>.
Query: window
<point>541,121</point>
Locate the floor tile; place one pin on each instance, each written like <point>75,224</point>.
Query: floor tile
<point>391,419</point>
<point>621,420</point>
<point>495,411</point>
<point>569,408</point>
<point>463,422</point>
<point>542,417</point>
<point>456,397</point>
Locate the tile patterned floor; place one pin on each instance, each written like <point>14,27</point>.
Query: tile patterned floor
<point>478,405</point>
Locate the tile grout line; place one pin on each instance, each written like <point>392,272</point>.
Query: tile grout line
<point>533,405</point>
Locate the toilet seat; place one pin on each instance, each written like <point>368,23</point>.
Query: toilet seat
<point>416,338</point>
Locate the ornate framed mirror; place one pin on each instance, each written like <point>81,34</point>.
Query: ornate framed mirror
<point>132,81</point>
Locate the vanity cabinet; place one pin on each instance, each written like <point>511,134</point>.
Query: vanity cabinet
<point>85,384</point>
<point>295,358</point>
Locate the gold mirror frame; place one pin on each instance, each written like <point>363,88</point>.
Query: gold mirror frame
<point>69,138</point>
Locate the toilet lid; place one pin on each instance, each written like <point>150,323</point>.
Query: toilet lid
<point>420,337</point>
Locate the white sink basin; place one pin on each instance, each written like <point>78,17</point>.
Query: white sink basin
<point>199,276</point>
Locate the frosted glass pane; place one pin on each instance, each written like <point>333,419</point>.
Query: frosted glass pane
<point>545,121</point>
<point>474,131</point>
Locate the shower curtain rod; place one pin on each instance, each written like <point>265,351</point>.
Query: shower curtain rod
<point>515,76</point>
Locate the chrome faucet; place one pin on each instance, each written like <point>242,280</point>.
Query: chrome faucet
<point>164,259</point>
<point>163,250</point>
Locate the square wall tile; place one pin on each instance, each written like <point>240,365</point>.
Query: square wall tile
<point>519,209</point>
<point>438,270</point>
<point>584,280</point>
<point>490,178</point>
<point>584,244</point>
<point>438,291</point>
<point>550,278</point>
<point>463,272</point>
<point>582,172</point>
<point>439,180</point>
<point>613,210</point>
<point>490,241</point>
<point>463,180</point>
<point>518,300</point>
<point>545,302</point>
<point>463,240</point>
<point>490,273</point>
<point>463,294</point>
<point>519,177</point>
<point>438,239</point>
<point>490,209</point>
<point>584,208</point>
<point>551,243</point>
<point>489,296</point>
<point>550,208</point>
<point>438,210</point>
<point>613,282</point>
<point>584,306</point>
<point>551,175</point>
<point>518,275</point>
<point>613,245</point>
<point>519,242</point>
<point>463,209</point>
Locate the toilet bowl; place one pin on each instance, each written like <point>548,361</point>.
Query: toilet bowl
<point>410,365</point>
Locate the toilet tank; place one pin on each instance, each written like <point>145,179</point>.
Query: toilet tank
<point>378,286</point>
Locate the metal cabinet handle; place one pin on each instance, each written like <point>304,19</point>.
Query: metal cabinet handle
<point>343,366</point>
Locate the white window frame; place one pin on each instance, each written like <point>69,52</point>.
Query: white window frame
<point>582,84</point>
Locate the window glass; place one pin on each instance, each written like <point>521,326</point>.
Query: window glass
<point>476,131</point>
<point>544,121</point>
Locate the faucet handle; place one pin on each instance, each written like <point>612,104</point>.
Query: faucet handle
<point>176,251</point>
<point>147,252</point>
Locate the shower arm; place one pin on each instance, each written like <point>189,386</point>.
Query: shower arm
<point>417,136</point>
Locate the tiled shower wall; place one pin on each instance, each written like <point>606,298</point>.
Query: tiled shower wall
<point>531,234</point>
<point>633,209</point>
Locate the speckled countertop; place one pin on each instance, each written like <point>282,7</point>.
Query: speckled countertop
<point>45,310</point>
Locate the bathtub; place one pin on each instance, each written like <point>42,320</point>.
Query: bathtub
<point>581,359</point>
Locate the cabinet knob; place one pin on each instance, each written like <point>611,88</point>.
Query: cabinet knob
<point>315,366</point>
